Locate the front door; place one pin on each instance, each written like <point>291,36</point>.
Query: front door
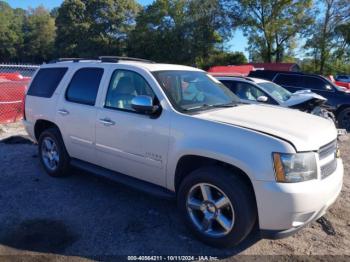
<point>129,142</point>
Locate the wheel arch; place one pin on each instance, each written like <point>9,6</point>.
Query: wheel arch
<point>188,163</point>
<point>42,125</point>
<point>341,108</point>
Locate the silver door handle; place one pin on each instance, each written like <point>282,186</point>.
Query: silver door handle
<point>63,112</point>
<point>107,122</point>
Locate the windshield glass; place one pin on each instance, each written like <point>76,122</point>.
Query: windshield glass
<point>194,91</point>
<point>276,91</point>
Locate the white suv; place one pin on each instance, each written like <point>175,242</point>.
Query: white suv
<point>175,131</point>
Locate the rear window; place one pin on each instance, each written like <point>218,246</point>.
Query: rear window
<point>84,85</point>
<point>46,81</point>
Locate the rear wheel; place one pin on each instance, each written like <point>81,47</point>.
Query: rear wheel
<point>344,119</point>
<point>52,152</point>
<point>217,206</point>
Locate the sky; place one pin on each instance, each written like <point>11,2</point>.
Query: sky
<point>237,43</point>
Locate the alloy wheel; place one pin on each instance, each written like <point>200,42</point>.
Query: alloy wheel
<point>49,153</point>
<point>210,210</point>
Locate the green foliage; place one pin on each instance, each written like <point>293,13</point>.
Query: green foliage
<point>271,25</point>
<point>39,36</point>
<point>222,59</point>
<point>11,35</point>
<point>179,31</point>
<point>324,43</point>
<point>89,28</point>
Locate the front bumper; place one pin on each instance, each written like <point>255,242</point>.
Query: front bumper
<point>285,208</point>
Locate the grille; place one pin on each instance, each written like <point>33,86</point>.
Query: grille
<point>328,168</point>
<point>327,150</point>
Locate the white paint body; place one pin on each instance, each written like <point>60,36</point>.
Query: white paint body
<point>149,149</point>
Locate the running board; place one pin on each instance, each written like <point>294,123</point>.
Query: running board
<point>129,181</point>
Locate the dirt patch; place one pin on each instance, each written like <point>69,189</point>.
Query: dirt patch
<point>39,235</point>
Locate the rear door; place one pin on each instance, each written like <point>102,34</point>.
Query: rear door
<point>76,112</point>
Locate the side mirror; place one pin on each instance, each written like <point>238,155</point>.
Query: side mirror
<point>328,87</point>
<point>143,104</point>
<point>262,99</point>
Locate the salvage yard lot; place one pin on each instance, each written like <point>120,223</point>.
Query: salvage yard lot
<point>90,217</point>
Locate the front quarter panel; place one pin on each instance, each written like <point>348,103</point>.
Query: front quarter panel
<point>246,149</point>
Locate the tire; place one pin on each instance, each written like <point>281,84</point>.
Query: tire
<point>55,161</point>
<point>241,198</point>
<point>344,119</point>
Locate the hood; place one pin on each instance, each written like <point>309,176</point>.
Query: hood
<point>304,131</point>
<point>302,96</point>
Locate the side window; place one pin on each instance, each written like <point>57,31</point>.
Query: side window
<point>289,80</point>
<point>123,87</point>
<point>230,85</point>
<point>315,83</point>
<point>84,85</point>
<point>248,92</point>
<point>46,81</point>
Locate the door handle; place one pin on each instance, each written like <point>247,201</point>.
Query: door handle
<point>63,112</point>
<point>107,122</point>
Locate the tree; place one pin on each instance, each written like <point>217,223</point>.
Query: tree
<point>11,36</point>
<point>221,58</point>
<point>271,25</point>
<point>323,41</point>
<point>39,36</point>
<point>179,31</point>
<point>90,28</point>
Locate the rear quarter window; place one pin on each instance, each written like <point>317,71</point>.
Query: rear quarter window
<point>46,81</point>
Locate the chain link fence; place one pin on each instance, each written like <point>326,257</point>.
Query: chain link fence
<point>14,80</point>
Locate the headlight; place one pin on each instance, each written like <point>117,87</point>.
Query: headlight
<point>291,168</point>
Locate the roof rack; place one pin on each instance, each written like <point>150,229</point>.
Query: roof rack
<point>73,59</point>
<point>105,59</point>
<point>116,59</point>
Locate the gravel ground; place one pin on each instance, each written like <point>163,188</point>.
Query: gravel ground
<point>87,217</point>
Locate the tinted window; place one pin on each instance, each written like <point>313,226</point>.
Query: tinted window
<point>84,86</point>
<point>315,83</point>
<point>289,80</point>
<point>124,86</point>
<point>230,84</point>
<point>46,81</point>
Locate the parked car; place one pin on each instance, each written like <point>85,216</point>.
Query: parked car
<point>255,90</point>
<point>343,78</point>
<point>175,131</point>
<point>338,98</point>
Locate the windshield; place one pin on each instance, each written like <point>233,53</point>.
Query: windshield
<point>194,91</point>
<point>276,91</point>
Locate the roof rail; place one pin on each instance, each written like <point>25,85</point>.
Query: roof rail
<point>106,59</point>
<point>116,59</point>
<point>73,59</point>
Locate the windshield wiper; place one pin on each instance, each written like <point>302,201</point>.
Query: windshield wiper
<point>231,104</point>
<point>205,106</point>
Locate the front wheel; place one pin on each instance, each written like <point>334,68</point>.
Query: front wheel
<point>218,206</point>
